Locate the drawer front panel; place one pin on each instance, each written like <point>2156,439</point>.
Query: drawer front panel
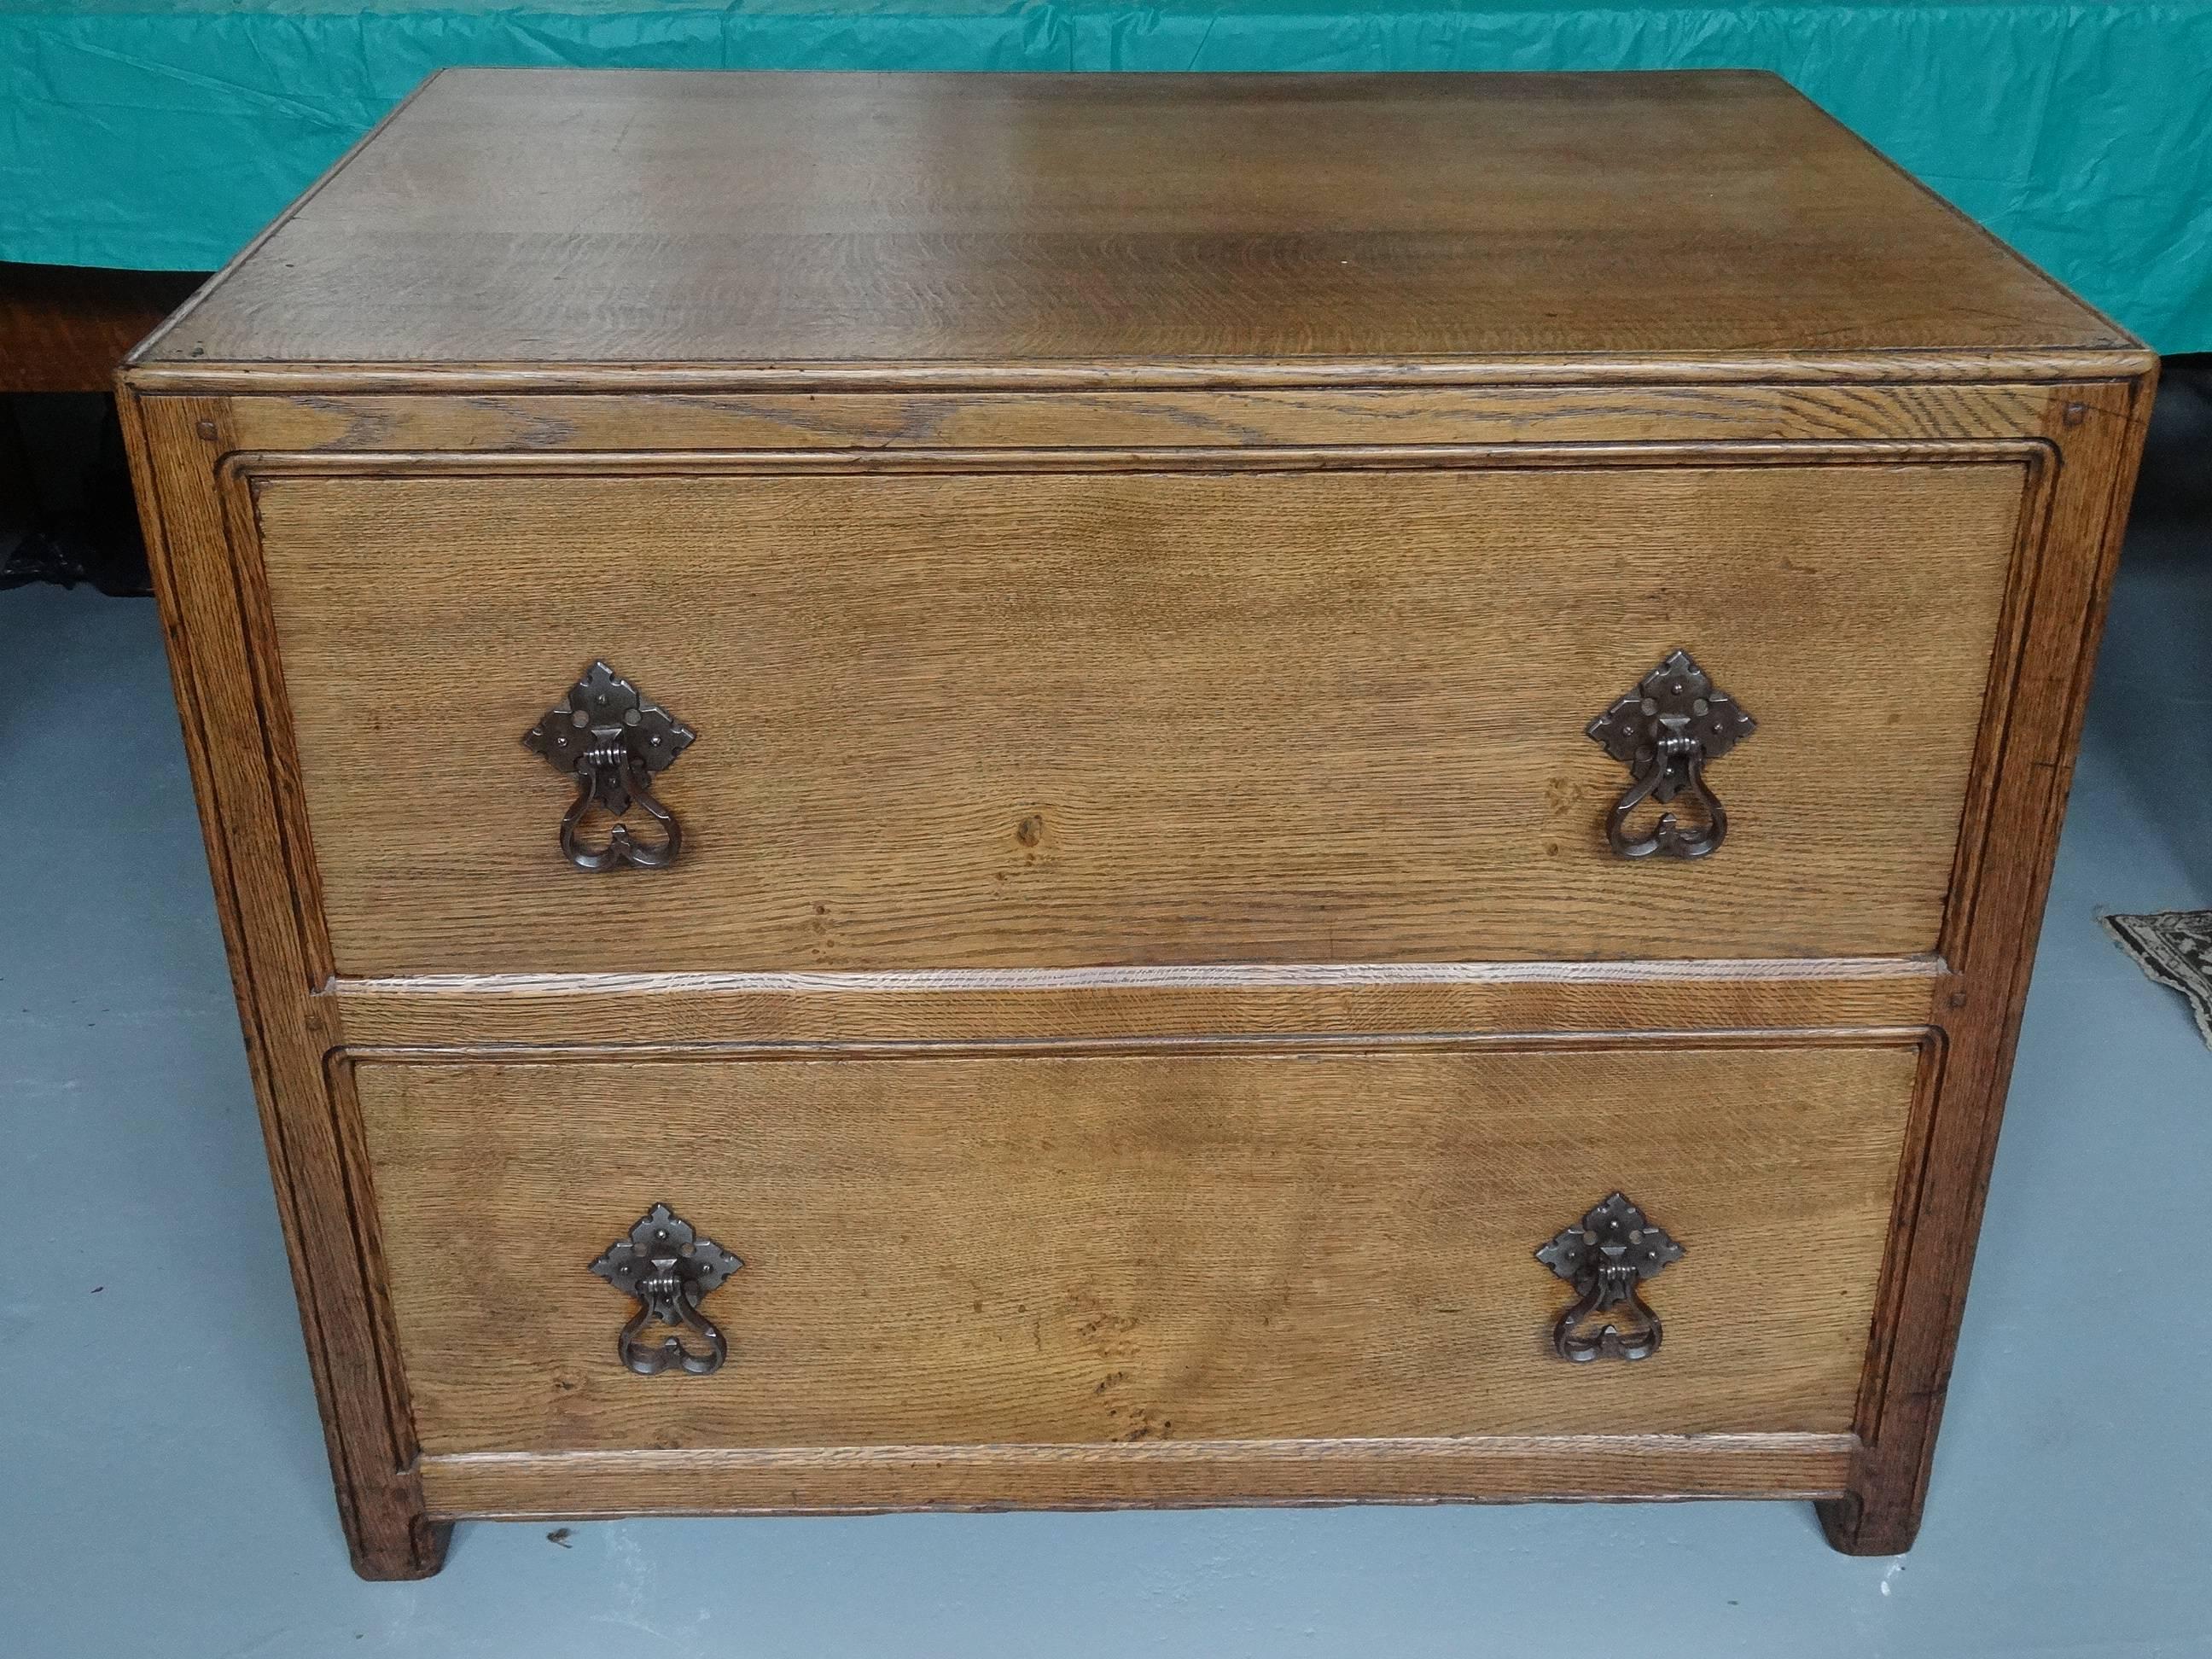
<point>1030,718</point>
<point>1119,1248</point>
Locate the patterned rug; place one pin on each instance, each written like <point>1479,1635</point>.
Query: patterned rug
<point>2174,947</point>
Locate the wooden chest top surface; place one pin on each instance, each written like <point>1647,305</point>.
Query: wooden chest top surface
<point>801,221</point>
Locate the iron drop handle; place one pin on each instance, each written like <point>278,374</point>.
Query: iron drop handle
<point>667,1266</point>
<point>1665,731</point>
<point>613,742</point>
<point>1606,1256</point>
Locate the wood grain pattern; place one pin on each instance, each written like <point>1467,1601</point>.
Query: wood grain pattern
<point>1157,1474</point>
<point>989,717</point>
<point>522,217</point>
<point>1113,1247</point>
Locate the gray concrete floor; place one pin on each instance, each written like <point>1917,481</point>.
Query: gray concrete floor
<point>162,1484</point>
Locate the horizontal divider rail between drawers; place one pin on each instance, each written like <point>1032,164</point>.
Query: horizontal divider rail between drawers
<point>1141,1004</point>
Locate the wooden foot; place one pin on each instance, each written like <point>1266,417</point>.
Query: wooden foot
<point>1858,1527</point>
<point>415,1549</point>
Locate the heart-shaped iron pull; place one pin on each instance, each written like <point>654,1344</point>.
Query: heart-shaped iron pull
<point>667,1266</point>
<point>613,741</point>
<point>1604,1256</point>
<point>1664,733</point>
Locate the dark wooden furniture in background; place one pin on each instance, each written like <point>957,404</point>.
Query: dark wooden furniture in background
<point>1115,573</point>
<point>65,328</point>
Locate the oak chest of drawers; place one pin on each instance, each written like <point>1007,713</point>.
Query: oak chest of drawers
<point>953,792</point>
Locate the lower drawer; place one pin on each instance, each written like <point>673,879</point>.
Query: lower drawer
<point>1127,1251</point>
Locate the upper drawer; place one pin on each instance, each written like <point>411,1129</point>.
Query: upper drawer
<point>1026,711</point>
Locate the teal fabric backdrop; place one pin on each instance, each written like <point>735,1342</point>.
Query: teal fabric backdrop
<point>163,133</point>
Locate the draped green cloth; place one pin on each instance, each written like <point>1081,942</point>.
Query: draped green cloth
<point>162,133</point>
